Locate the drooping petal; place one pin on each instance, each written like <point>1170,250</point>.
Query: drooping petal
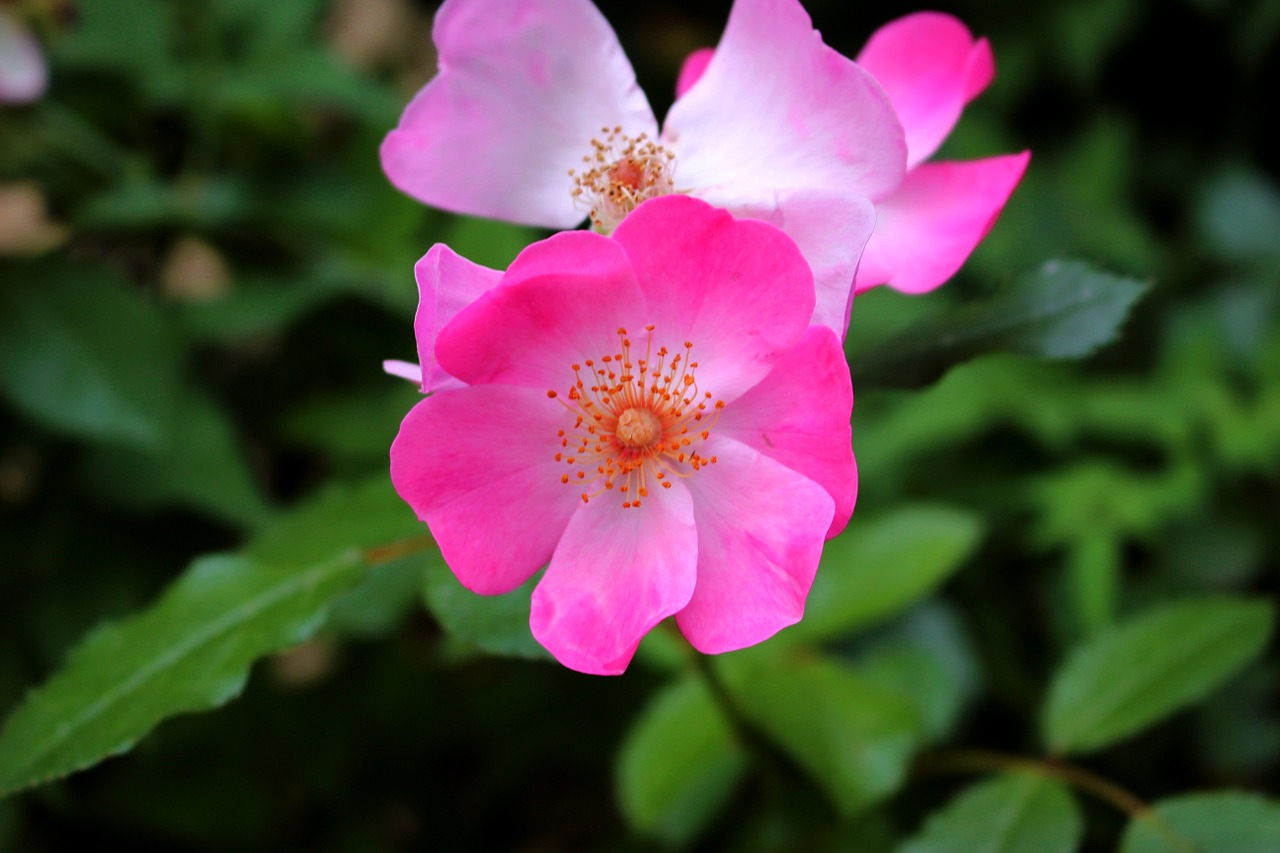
<point>447,283</point>
<point>477,465</point>
<point>523,88</point>
<point>930,66</point>
<point>760,531</point>
<point>694,66</point>
<point>926,230</point>
<point>23,74</point>
<point>615,575</point>
<point>830,228</point>
<point>737,289</point>
<point>560,303</point>
<point>799,416</point>
<point>778,109</point>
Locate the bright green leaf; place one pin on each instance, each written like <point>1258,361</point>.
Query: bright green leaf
<point>498,624</point>
<point>1221,822</point>
<point>1009,814</point>
<point>1132,675</point>
<point>679,763</point>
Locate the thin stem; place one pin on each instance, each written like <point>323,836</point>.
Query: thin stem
<point>380,554</point>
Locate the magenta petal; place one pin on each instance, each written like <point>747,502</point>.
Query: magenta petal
<point>926,230</point>
<point>523,88</point>
<point>799,416</point>
<point>738,289</point>
<point>760,531</point>
<point>695,64</point>
<point>930,66</point>
<point>777,108</point>
<point>23,74</point>
<point>615,575</point>
<point>447,283</point>
<point>560,303</point>
<point>477,465</point>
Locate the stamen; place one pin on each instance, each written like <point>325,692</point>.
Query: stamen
<point>620,173</point>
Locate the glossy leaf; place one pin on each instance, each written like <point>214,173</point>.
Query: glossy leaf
<point>1220,822</point>
<point>1008,814</point>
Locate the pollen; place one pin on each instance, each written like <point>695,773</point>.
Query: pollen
<point>633,420</point>
<point>618,174</point>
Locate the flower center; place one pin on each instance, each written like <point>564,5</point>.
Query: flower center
<point>634,421</point>
<point>620,173</point>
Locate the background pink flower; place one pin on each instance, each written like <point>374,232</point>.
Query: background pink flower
<point>23,75</point>
<point>653,418</point>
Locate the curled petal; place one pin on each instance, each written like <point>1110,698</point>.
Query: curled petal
<point>447,283</point>
<point>523,88</point>
<point>694,66</point>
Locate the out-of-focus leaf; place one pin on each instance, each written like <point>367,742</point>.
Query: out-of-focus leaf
<point>380,604</point>
<point>1130,676</point>
<point>919,676</point>
<point>1065,309</point>
<point>1220,822</point>
<point>361,425</point>
<point>679,763</point>
<point>498,624</point>
<point>1009,814</point>
<point>489,242</point>
<point>881,565</point>
<point>82,352</point>
<point>141,203</point>
<point>254,307</point>
<point>853,736</point>
<point>1093,575</point>
<point>1239,218</point>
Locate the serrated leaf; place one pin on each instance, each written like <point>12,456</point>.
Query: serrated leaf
<point>1010,814</point>
<point>679,764</point>
<point>1132,675</point>
<point>881,565</point>
<point>83,353</point>
<point>1064,309</point>
<point>498,624</point>
<point>1220,822</point>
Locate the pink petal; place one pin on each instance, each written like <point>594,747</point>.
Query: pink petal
<point>799,416</point>
<point>760,531</point>
<point>560,303</point>
<point>616,574</point>
<point>447,283</point>
<point>523,88</point>
<point>477,465</point>
<point>930,66</point>
<point>739,290</point>
<point>403,370</point>
<point>23,75</point>
<point>777,108</point>
<point>926,230</point>
<point>695,65</point>
<point>830,229</point>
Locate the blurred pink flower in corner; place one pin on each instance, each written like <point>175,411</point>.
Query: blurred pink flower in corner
<point>652,417</point>
<point>930,66</point>
<point>535,117</point>
<point>23,75</point>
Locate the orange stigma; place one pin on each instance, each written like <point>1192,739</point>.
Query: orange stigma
<point>635,421</point>
<point>619,174</point>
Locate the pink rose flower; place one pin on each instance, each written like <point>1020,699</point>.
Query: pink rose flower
<point>653,418</point>
<point>930,66</point>
<point>23,75</point>
<point>535,117</point>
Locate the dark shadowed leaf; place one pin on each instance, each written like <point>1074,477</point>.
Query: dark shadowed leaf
<point>498,624</point>
<point>1009,814</point>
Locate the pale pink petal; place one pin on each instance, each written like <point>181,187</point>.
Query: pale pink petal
<point>403,370</point>
<point>930,66</point>
<point>799,416</point>
<point>615,575</point>
<point>695,64</point>
<point>23,74</point>
<point>477,465</point>
<point>829,227</point>
<point>926,230</point>
<point>447,283</point>
<point>561,303</point>
<point>778,109</point>
<point>523,88</point>
<point>737,289</point>
<point>760,531</point>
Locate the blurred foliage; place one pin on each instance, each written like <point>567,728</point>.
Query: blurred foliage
<point>1078,551</point>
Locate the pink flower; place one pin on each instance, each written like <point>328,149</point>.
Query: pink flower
<point>23,76</point>
<point>930,66</point>
<point>652,417</point>
<point>535,117</point>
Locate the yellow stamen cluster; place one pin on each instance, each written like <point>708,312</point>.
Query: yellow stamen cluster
<point>634,421</point>
<point>619,174</point>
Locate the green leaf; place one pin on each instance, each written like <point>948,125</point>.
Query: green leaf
<point>679,764</point>
<point>881,565</point>
<point>498,624</point>
<point>1239,217</point>
<point>1065,309</point>
<point>1130,676</point>
<point>853,736</point>
<point>380,604</point>
<point>80,351</point>
<point>189,652</point>
<point>1010,814</point>
<point>1221,822</point>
